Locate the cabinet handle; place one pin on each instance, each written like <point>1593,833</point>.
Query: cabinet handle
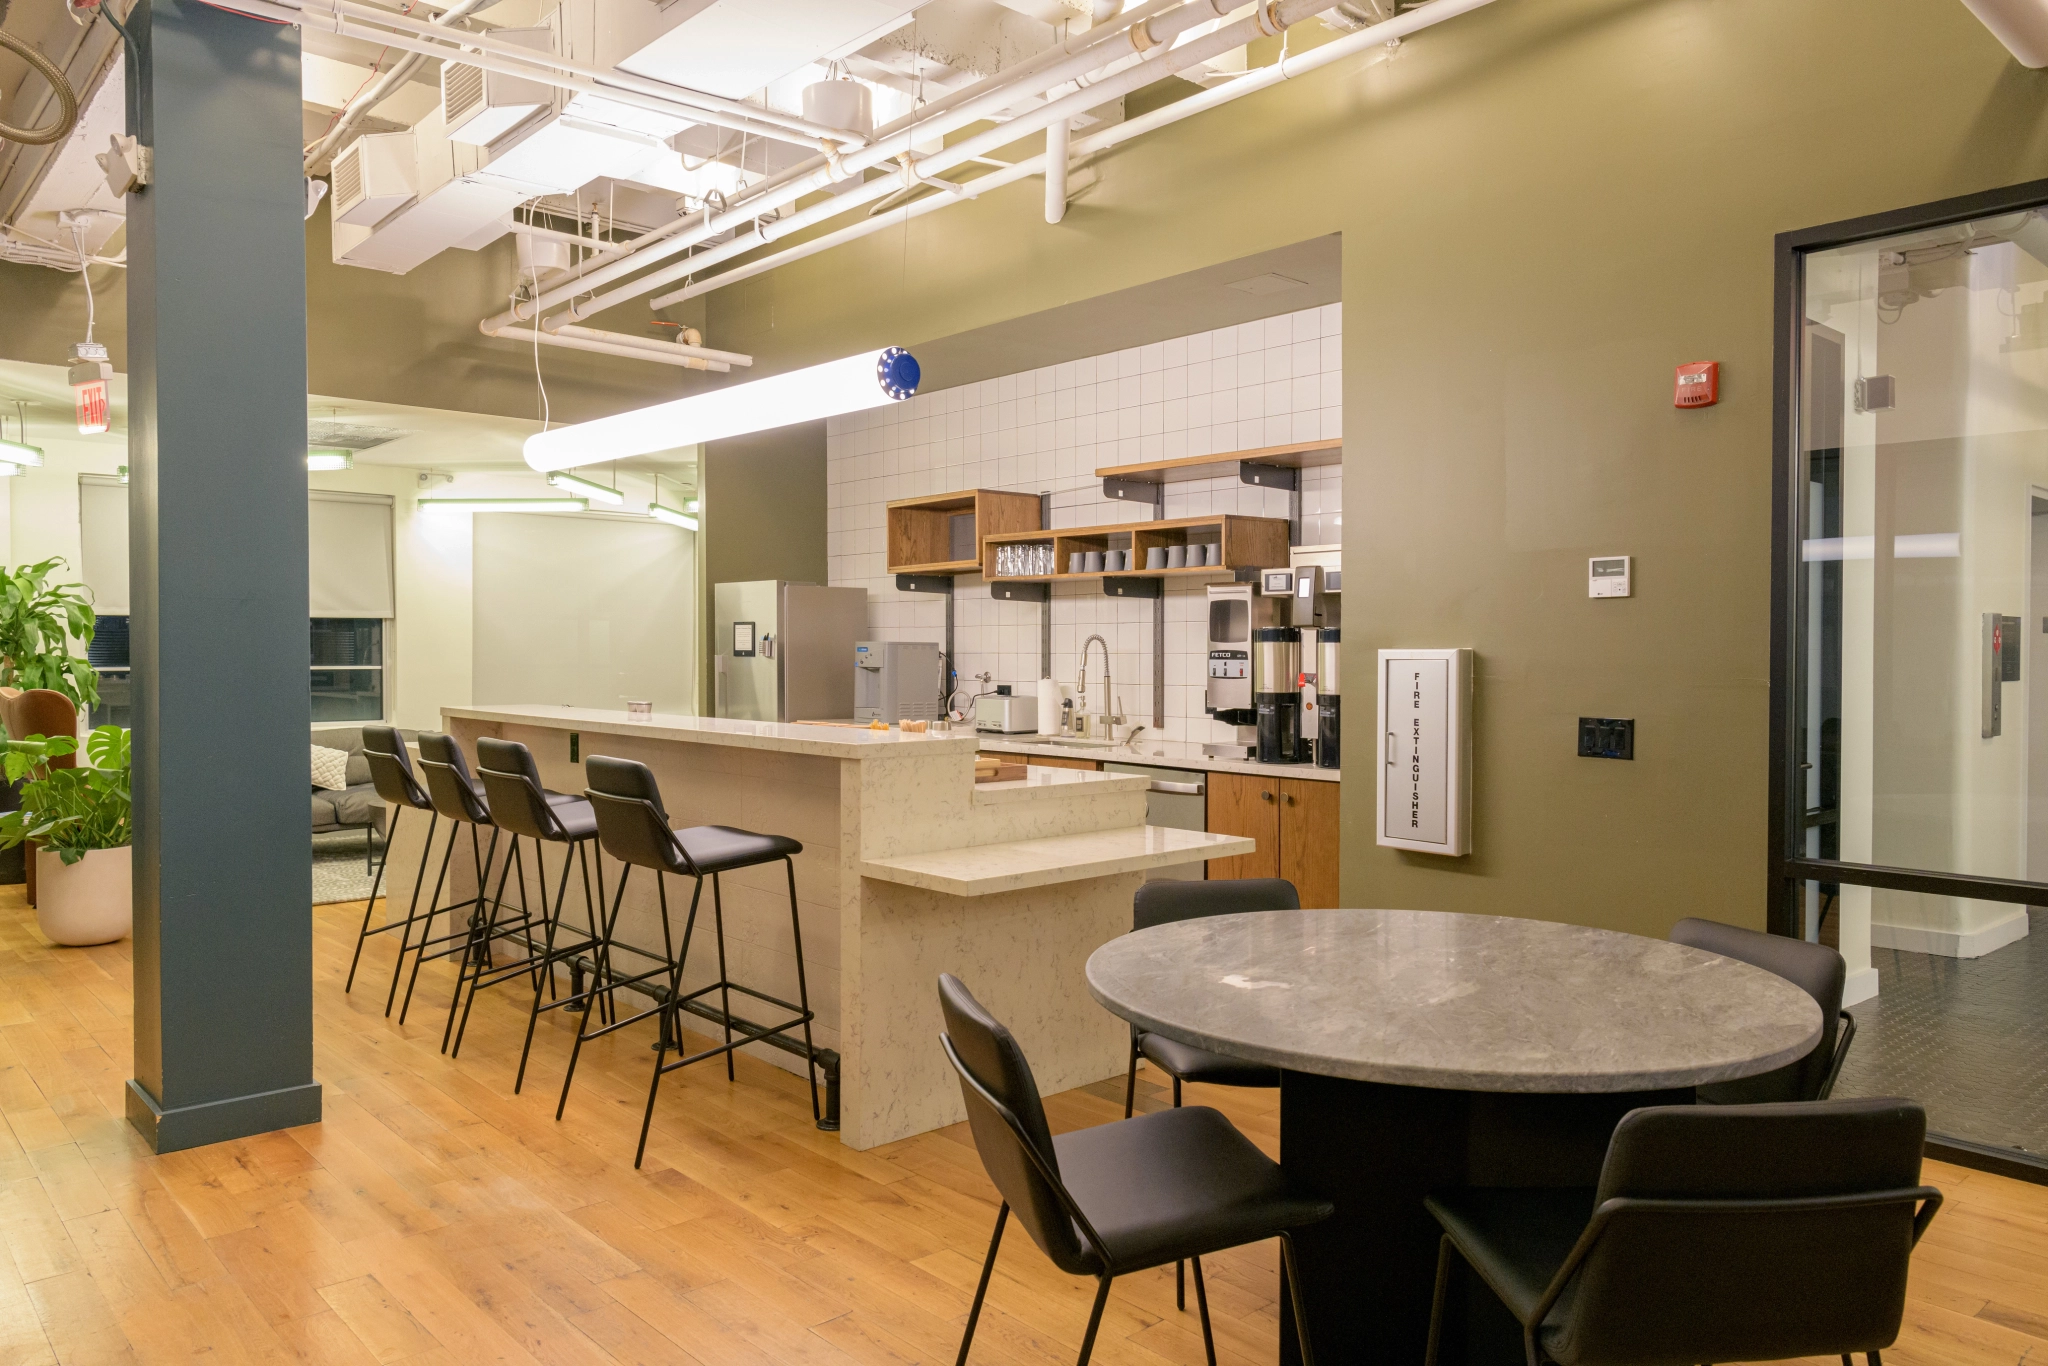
<point>1290,799</point>
<point>1265,796</point>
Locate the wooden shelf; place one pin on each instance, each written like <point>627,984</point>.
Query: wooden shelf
<point>1248,542</point>
<point>1296,456</point>
<point>927,535</point>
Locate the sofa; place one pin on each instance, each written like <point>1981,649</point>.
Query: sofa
<point>357,806</point>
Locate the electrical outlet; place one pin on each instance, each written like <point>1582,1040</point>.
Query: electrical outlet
<point>1603,737</point>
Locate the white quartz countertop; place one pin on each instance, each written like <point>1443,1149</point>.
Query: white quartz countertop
<point>1157,754</point>
<point>1058,782</point>
<point>832,742</point>
<point>983,869</point>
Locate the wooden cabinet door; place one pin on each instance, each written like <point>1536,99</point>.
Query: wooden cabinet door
<point>1240,804</point>
<point>1309,839</point>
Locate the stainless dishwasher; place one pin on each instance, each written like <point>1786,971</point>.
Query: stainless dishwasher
<point>1178,798</point>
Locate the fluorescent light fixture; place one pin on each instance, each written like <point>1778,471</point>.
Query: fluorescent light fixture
<point>504,505</point>
<point>1825,548</point>
<point>869,380</point>
<point>690,506</point>
<point>321,461</point>
<point>1928,545</point>
<point>20,452</point>
<point>569,483</point>
<point>8,471</point>
<point>671,516</point>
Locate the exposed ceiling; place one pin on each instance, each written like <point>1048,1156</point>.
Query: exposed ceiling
<point>1284,280</point>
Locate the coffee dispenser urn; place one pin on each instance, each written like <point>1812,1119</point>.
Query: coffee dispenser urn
<point>1326,699</point>
<point>1276,693</point>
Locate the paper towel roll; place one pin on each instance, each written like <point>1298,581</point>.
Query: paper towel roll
<point>1048,707</point>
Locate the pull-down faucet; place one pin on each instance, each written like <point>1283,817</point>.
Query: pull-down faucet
<point>1107,713</point>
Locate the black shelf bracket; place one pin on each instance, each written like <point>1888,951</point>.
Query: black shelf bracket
<point>1277,477</point>
<point>925,583</point>
<point>1019,592</point>
<point>1134,588</point>
<point>1151,492</point>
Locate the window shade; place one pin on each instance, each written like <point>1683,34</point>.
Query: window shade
<point>348,556</point>
<point>103,543</point>
<point>348,551</point>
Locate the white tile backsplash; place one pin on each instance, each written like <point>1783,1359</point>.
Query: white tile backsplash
<point>1262,383</point>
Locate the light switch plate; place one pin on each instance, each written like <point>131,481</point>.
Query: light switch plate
<point>1607,576</point>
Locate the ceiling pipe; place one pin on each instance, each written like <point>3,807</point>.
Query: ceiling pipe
<point>979,102</point>
<point>806,130</point>
<point>608,343</point>
<point>2022,25</point>
<point>1261,78</point>
<point>526,65</point>
<point>1270,17</point>
<point>1058,133</point>
<point>724,359</point>
<point>357,109</point>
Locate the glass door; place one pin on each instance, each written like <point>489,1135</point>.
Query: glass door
<point>1911,782</point>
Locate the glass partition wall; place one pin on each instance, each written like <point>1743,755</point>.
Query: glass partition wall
<point>1910,684</point>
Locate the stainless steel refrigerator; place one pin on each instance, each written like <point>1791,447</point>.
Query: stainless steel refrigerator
<point>784,651</point>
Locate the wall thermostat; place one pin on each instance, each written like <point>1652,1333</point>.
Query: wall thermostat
<point>1607,576</point>
<point>1698,385</point>
<point>1276,583</point>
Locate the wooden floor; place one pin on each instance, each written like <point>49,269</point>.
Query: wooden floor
<point>435,1218</point>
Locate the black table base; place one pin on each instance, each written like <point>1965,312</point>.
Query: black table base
<point>1369,1272</point>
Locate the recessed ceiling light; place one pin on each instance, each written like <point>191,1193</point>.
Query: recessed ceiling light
<point>1269,283</point>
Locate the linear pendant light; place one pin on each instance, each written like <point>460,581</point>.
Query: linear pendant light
<point>504,505</point>
<point>584,488</point>
<point>20,453</point>
<point>320,462</point>
<point>662,512</point>
<point>869,380</point>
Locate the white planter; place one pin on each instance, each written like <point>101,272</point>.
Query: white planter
<point>87,902</point>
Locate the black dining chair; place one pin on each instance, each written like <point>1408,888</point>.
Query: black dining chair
<point>633,827</point>
<point>1121,1197</point>
<point>460,800</point>
<point>398,788</point>
<point>1814,968</point>
<point>528,811</point>
<point>1162,902</point>
<point>1717,1233</point>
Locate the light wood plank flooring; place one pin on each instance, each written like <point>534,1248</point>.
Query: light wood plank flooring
<point>435,1218</point>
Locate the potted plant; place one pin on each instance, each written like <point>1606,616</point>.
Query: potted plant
<point>38,620</point>
<point>81,820</point>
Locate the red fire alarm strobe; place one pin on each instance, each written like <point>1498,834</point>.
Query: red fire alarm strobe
<point>1699,384</point>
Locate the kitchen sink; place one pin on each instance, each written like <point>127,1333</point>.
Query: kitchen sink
<point>1072,742</point>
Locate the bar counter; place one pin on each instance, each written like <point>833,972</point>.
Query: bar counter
<point>909,869</point>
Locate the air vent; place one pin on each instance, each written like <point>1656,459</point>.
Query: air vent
<point>348,178</point>
<point>349,436</point>
<point>462,92</point>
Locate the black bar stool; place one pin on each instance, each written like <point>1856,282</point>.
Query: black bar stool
<point>525,810</point>
<point>633,827</point>
<point>391,771</point>
<point>460,799</point>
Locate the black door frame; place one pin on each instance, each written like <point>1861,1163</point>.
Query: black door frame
<point>1786,862</point>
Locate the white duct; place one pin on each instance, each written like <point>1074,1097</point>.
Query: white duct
<point>1350,45</point>
<point>617,344</point>
<point>1164,61</point>
<point>1077,57</point>
<point>2022,25</point>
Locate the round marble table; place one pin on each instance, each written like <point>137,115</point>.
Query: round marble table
<point>1423,1049</point>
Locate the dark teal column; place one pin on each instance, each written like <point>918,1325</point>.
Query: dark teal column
<point>217,517</point>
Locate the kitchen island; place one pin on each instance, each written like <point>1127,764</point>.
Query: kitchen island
<point>909,869</point>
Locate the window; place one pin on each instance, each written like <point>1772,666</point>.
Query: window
<point>108,655</point>
<point>348,669</point>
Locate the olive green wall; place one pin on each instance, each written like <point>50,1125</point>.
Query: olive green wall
<point>407,339</point>
<point>1545,206</point>
<point>764,517</point>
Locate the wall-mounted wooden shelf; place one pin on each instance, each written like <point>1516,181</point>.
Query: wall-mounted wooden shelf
<point>943,533</point>
<point>1248,542</point>
<point>1296,456</point>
